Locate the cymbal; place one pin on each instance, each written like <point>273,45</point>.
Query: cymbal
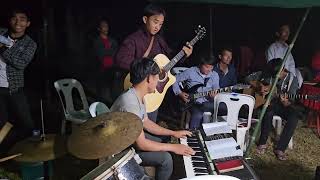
<point>104,135</point>
<point>35,150</point>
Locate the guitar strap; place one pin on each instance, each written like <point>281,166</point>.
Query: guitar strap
<point>149,48</point>
<point>206,81</point>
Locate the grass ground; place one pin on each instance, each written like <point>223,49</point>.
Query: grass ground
<point>302,159</point>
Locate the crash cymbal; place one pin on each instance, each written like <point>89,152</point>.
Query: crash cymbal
<point>35,150</point>
<point>104,135</point>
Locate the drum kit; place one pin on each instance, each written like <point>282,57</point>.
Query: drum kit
<point>109,134</point>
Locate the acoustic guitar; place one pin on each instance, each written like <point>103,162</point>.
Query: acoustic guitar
<point>260,99</point>
<point>166,79</point>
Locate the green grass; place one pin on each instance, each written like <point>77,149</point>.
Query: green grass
<point>5,174</point>
<point>302,159</point>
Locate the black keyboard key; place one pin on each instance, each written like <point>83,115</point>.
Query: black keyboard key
<point>198,154</point>
<point>201,174</point>
<point>193,145</point>
<point>197,159</point>
<point>199,164</point>
<point>197,170</point>
<point>197,149</point>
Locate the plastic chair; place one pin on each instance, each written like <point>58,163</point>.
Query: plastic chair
<point>277,124</point>
<point>234,102</point>
<point>66,86</point>
<point>98,108</point>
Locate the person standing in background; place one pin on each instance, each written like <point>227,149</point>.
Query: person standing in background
<point>104,48</point>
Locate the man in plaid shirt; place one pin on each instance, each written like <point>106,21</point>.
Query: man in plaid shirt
<point>14,58</point>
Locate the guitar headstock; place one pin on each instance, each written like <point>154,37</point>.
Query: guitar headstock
<point>201,32</point>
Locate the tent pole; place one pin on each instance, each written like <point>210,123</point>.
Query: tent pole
<point>257,128</point>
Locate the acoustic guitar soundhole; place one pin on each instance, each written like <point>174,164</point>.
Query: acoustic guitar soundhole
<point>162,75</point>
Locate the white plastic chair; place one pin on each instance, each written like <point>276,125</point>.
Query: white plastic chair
<point>277,124</point>
<point>98,108</point>
<point>234,102</point>
<point>65,88</point>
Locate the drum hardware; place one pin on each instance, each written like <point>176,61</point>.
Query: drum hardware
<point>40,147</point>
<point>104,135</point>
<point>43,149</point>
<point>117,174</point>
<point>10,157</point>
<point>122,167</point>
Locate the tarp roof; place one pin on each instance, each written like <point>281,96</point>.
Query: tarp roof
<point>265,3</point>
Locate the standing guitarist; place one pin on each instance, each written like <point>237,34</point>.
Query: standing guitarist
<point>281,106</point>
<point>146,42</point>
<point>202,74</point>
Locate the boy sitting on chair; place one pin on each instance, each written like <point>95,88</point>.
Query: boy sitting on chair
<point>198,75</point>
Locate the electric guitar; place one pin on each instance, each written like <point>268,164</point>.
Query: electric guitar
<point>194,93</point>
<point>166,79</point>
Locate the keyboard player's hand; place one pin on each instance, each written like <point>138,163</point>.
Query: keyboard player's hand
<point>182,149</point>
<point>182,134</point>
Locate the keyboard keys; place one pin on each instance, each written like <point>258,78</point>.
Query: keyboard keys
<point>197,164</point>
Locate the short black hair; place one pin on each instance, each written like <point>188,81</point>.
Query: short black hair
<point>142,68</point>
<point>224,49</point>
<point>280,25</point>
<point>211,60</point>
<point>20,11</point>
<point>153,9</point>
<point>270,71</point>
<point>102,19</point>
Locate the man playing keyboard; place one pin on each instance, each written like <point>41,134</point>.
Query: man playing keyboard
<point>144,77</point>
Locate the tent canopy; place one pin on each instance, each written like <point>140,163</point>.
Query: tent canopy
<point>266,3</point>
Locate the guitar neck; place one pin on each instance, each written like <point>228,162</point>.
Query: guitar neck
<point>179,56</point>
<point>298,96</point>
<point>206,93</point>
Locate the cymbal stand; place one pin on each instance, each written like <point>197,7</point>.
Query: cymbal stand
<point>43,136</point>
